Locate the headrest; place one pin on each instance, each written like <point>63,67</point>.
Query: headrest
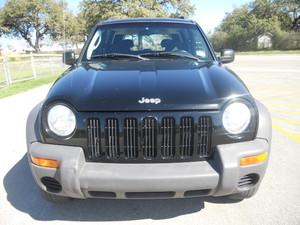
<point>127,43</point>
<point>164,42</point>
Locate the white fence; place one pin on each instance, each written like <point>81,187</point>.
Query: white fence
<point>19,68</point>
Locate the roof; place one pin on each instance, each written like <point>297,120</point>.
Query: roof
<point>147,20</point>
<point>266,34</point>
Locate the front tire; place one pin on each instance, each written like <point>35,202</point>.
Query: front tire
<point>54,198</point>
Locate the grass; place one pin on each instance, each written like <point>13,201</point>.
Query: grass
<point>26,85</point>
<point>47,70</point>
<point>269,52</point>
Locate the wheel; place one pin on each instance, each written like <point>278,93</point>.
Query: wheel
<point>244,194</point>
<point>54,198</point>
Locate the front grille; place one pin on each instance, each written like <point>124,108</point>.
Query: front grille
<point>149,139</point>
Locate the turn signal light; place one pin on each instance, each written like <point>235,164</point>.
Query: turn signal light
<point>249,160</point>
<point>51,163</point>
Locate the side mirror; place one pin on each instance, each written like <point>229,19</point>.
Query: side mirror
<point>69,57</point>
<point>227,56</point>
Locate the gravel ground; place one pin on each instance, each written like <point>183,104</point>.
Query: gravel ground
<point>275,80</point>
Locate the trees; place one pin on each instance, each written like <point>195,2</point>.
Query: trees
<point>35,20</point>
<point>290,10</point>
<point>240,28</point>
<point>68,27</point>
<point>30,20</point>
<point>93,11</point>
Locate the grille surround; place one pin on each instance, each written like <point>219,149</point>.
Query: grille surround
<point>131,146</point>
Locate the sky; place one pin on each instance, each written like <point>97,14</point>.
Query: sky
<point>209,14</point>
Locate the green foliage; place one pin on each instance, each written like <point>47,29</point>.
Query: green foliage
<point>290,13</point>
<point>31,20</point>
<point>69,27</point>
<point>287,40</point>
<point>240,28</point>
<point>219,39</point>
<point>93,11</point>
<point>36,19</point>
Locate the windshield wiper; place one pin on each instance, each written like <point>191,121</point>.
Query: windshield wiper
<point>172,54</point>
<point>118,55</point>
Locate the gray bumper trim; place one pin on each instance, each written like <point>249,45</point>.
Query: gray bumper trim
<point>220,175</point>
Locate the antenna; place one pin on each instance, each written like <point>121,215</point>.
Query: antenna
<point>64,26</point>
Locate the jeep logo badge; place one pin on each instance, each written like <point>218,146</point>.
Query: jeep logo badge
<point>150,100</point>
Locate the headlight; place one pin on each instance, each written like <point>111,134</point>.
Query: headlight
<point>236,117</point>
<point>61,120</point>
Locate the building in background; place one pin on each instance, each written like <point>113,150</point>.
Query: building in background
<point>264,41</point>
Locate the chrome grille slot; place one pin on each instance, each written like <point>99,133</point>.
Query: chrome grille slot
<point>131,138</point>
<point>94,137</point>
<point>186,136</point>
<point>149,137</point>
<point>168,137</point>
<point>204,136</point>
<point>112,138</point>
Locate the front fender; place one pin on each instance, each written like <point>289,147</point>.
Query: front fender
<point>33,125</point>
<point>264,130</point>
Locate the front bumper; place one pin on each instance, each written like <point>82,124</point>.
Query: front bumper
<point>218,176</point>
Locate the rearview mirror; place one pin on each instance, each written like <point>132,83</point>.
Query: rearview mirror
<point>227,56</point>
<point>69,57</point>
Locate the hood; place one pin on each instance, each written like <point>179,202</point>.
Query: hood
<point>147,85</point>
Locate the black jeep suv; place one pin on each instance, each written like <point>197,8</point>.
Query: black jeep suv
<point>148,111</point>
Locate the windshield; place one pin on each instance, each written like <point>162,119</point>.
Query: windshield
<point>149,40</point>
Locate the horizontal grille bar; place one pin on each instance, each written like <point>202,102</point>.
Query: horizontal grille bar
<point>249,179</point>
<point>149,139</point>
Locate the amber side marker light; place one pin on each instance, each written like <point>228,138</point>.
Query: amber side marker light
<point>51,163</point>
<point>249,160</point>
